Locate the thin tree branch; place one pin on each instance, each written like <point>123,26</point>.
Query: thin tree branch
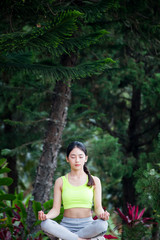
<point>54,14</point>
<point>156,124</point>
<point>10,20</point>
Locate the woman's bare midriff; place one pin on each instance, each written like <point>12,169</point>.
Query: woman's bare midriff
<point>77,213</point>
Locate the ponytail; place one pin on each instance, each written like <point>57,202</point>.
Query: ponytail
<point>90,178</point>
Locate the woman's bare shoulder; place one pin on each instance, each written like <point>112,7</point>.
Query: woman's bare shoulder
<point>96,180</point>
<point>59,182</point>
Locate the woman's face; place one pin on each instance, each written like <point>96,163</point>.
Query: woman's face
<point>77,159</point>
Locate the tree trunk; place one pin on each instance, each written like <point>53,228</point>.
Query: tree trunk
<point>12,164</point>
<point>134,124</point>
<point>129,195</point>
<point>128,192</point>
<point>48,160</point>
<point>155,232</point>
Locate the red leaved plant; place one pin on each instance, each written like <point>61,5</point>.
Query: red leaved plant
<point>133,217</point>
<point>17,226</point>
<point>110,237</point>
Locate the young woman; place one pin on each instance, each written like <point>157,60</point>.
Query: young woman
<point>77,190</point>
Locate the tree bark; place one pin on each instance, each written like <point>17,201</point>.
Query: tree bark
<point>155,232</point>
<point>48,160</point>
<point>134,123</point>
<point>12,164</point>
<point>128,181</point>
<point>129,195</point>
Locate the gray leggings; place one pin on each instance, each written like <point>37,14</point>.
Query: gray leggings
<point>72,228</point>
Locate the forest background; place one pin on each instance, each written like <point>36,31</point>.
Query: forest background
<point>86,71</point>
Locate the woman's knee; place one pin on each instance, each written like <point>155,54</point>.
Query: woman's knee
<point>101,225</point>
<point>46,224</point>
<point>105,225</point>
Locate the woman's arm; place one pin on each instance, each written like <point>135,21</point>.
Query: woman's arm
<point>54,212</point>
<point>98,200</point>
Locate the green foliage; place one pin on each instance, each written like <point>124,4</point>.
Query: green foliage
<point>13,215</point>
<point>109,101</point>
<point>4,181</point>
<point>105,161</point>
<point>134,225</point>
<point>31,64</point>
<point>48,204</point>
<point>148,180</point>
<point>136,232</point>
<point>148,186</point>
<point>14,224</point>
<point>102,104</point>
<point>75,44</point>
<point>94,11</point>
<point>36,207</point>
<point>59,72</point>
<point>47,37</point>
<point>106,155</point>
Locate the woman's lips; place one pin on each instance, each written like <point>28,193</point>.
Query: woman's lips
<point>77,165</point>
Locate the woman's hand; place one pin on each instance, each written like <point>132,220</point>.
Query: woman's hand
<point>42,216</point>
<point>105,215</point>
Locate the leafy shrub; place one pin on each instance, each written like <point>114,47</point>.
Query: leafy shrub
<point>13,212</point>
<point>134,226</point>
<point>148,185</point>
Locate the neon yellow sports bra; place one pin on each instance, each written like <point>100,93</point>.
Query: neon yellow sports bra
<point>76,196</point>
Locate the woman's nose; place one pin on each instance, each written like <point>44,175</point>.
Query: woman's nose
<point>77,159</point>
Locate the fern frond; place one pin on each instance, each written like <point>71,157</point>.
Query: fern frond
<point>49,35</point>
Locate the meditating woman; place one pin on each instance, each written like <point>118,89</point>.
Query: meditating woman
<point>77,190</point>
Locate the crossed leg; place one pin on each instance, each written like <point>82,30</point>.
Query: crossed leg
<point>96,228</point>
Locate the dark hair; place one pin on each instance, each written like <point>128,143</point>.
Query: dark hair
<point>82,147</point>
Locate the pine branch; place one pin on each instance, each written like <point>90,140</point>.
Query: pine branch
<point>59,72</point>
<point>78,43</point>
<point>14,151</point>
<point>30,123</point>
<point>68,45</point>
<point>152,132</point>
<point>51,34</point>
<point>92,10</point>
